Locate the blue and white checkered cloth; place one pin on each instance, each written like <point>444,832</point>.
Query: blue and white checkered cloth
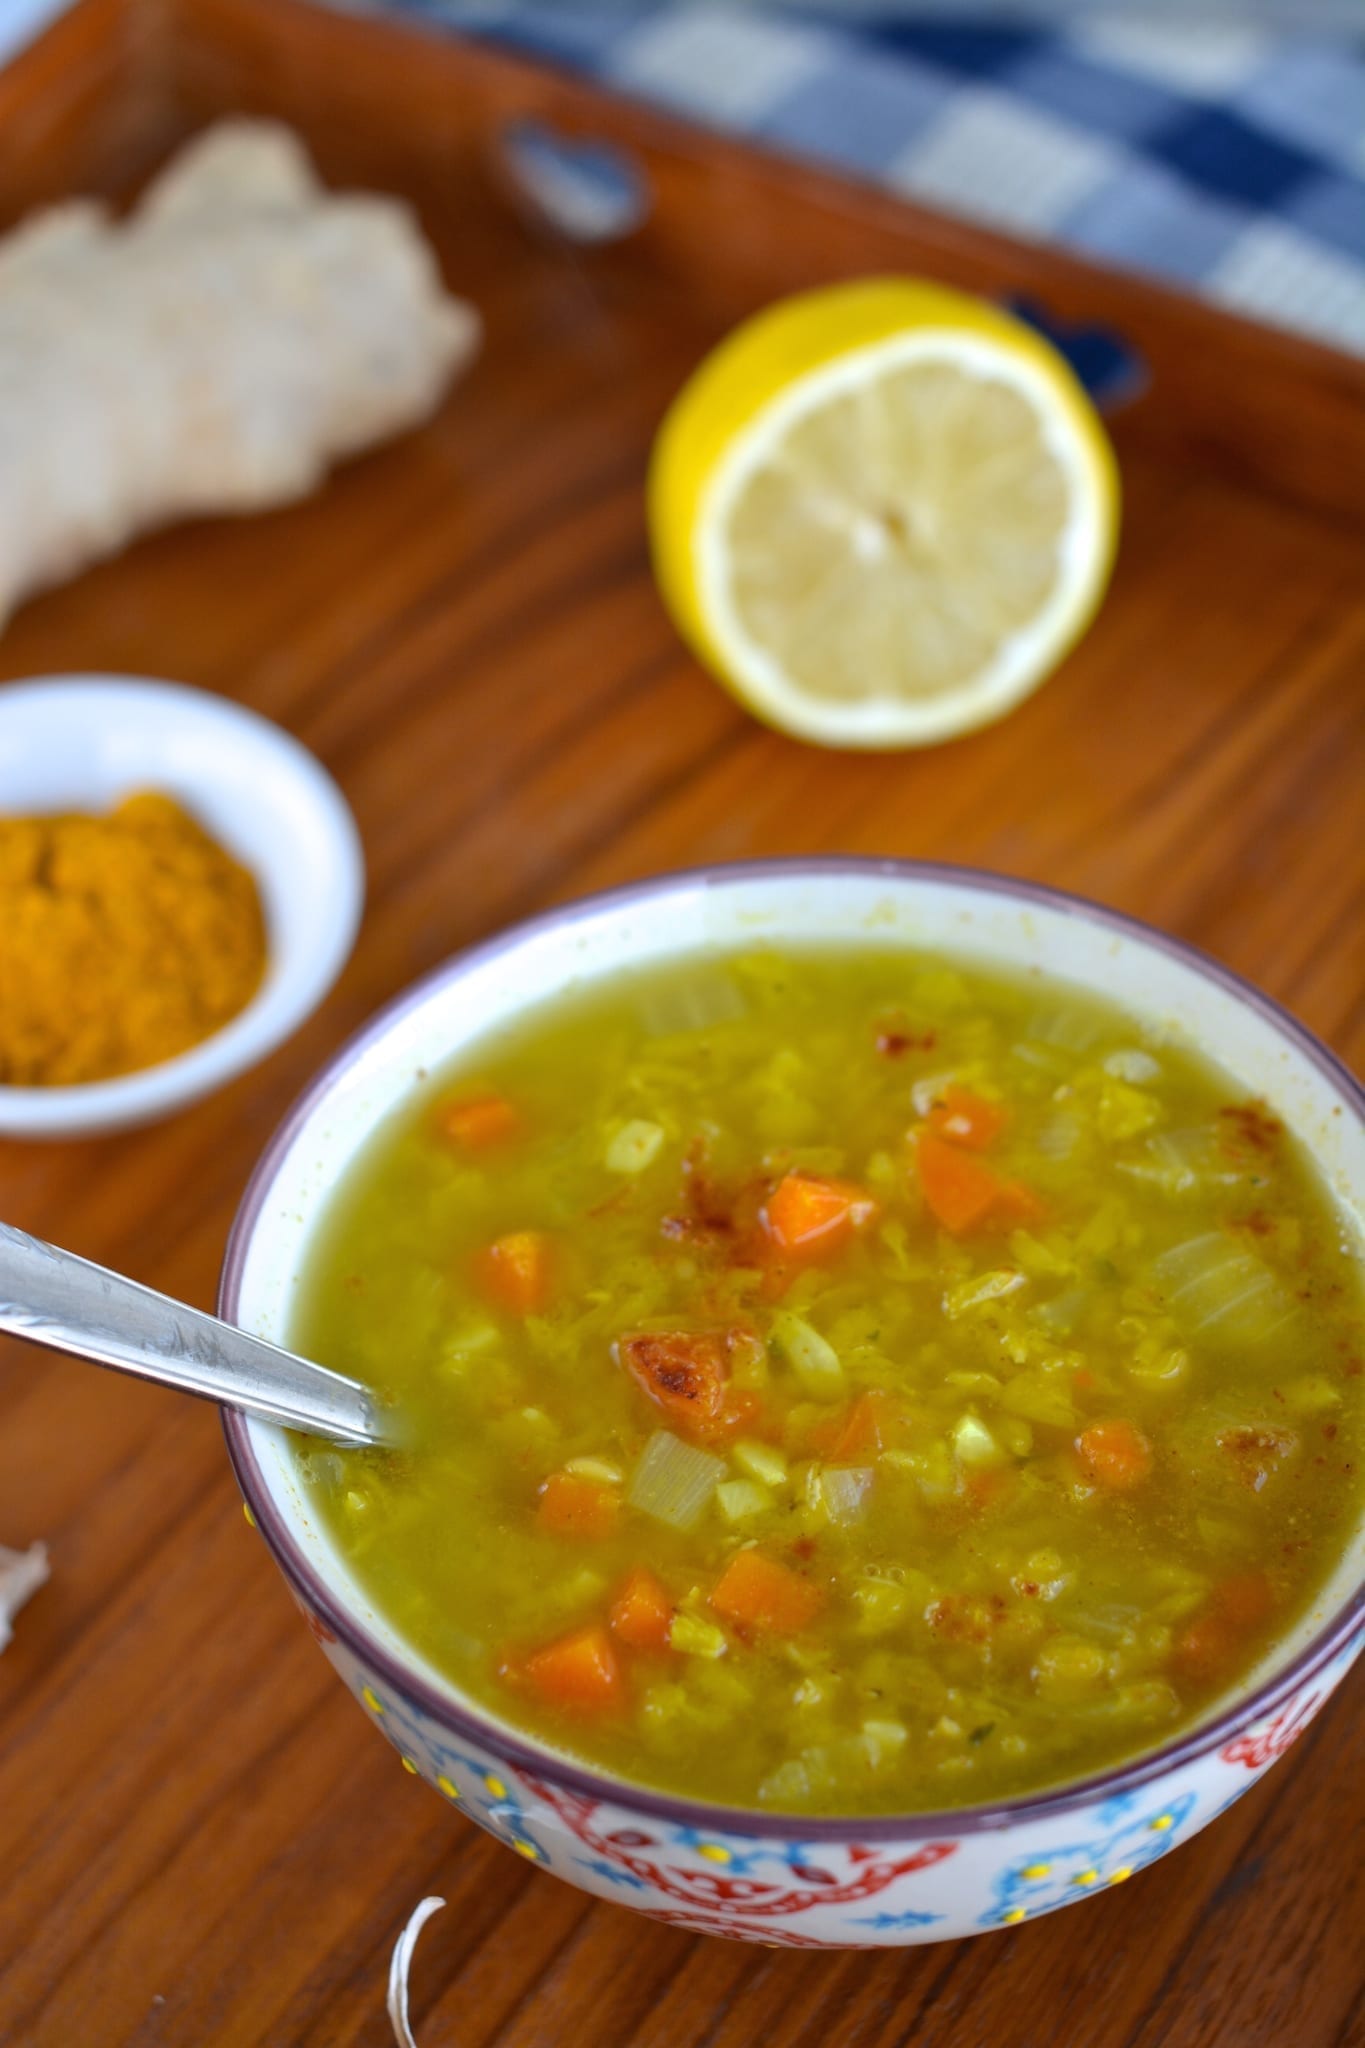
<point>1224,157</point>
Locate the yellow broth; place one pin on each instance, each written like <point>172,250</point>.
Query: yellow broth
<point>893,1386</point>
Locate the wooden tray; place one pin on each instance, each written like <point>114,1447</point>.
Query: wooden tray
<point>199,1841</point>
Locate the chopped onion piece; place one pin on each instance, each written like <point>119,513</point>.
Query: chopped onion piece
<point>580,1589</point>
<point>1109,1619</point>
<point>634,1146</point>
<point>879,1605</point>
<point>1045,1059</point>
<point>1015,1434</point>
<point>1149,1699</point>
<point>928,1090</point>
<point>844,1490</point>
<point>737,1499</point>
<point>674,1481</point>
<point>1178,1162</point>
<point>932,1468</point>
<point>1061,1315</point>
<point>1059,1136</point>
<point>788,1786</point>
<point>695,1636</point>
<point>1069,1029</point>
<point>600,1469</point>
<point>1180,1590</point>
<point>1039,1259</point>
<point>708,996</point>
<point>1167,1165</point>
<point>1158,1368</point>
<point>884,1740</point>
<point>812,1357</point>
<point>1039,1396</point>
<point>761,1461</point>
<point>1221,1292</point>
<point>974,1443</point>
<point>979,1289</point>
<point>972,1382</point>
<point>1131,1064</point>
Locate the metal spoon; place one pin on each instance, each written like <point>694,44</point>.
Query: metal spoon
<point>52,1297</point>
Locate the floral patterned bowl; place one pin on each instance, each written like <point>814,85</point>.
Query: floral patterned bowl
<point>803,1883</point>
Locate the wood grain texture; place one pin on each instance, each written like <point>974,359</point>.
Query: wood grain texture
<point>200,1841</point>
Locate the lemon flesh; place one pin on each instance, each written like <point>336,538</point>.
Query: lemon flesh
<point>882,513</point>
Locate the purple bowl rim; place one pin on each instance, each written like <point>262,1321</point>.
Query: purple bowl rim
<point>544,1762</point>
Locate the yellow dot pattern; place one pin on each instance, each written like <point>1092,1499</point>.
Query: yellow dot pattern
<point>1014,1916</point>
<point>528,1850</point>
<point>1161,1823</point>
<point>714,1852</point>
<point>1121,1875</point>
<point>372,1701</point>
<point>1034,1871</point>
<point>1086,1877</point>
<point>495,1786</point>
<point>408,1764</point>
<point>250,1518</point>
<point>452,1791</point>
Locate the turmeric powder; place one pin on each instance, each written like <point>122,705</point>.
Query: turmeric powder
<point>124,940</point>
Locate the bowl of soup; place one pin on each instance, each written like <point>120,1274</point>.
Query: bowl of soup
<point>880,1353</point>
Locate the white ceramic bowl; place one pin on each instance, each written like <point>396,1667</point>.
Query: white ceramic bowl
<point>759,1876</point>
<point>82,742</point>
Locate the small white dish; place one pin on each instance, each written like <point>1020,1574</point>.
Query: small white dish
<point>82,742</point>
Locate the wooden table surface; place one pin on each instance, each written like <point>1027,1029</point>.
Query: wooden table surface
<point>201,1841</point>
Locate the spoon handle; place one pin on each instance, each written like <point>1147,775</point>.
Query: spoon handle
<point>52,1297</point>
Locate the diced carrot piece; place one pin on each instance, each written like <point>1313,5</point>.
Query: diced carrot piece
<point>642,1612</point>
<point>742,1414</point>
<point>964,1193</point>
<point>687,1373</point>
<point>850,1436</point>
<point>1204,1647</point>
<point>1245,1599</point>
<point>808,1215</point>
<point>514,1272</point>
<point>777,1275</point>
<point>578,1672</point>
<point>1213,1639</point>
<point>985,1489</point>
<point>966,1118</point>
<point>1115,1454</point>
<point>573,1505</point>
<point>684,1371</point>
<point>820,1435</point>
<point>759,1593</point>
<point>478,1121</point>
<point>960,1191</point>
<point>1018,1204</point>
<point>866,1429</point>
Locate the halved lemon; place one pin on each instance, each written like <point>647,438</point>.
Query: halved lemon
<point>882,512</point>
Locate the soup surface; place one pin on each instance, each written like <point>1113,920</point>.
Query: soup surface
<point>840,1382</point>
